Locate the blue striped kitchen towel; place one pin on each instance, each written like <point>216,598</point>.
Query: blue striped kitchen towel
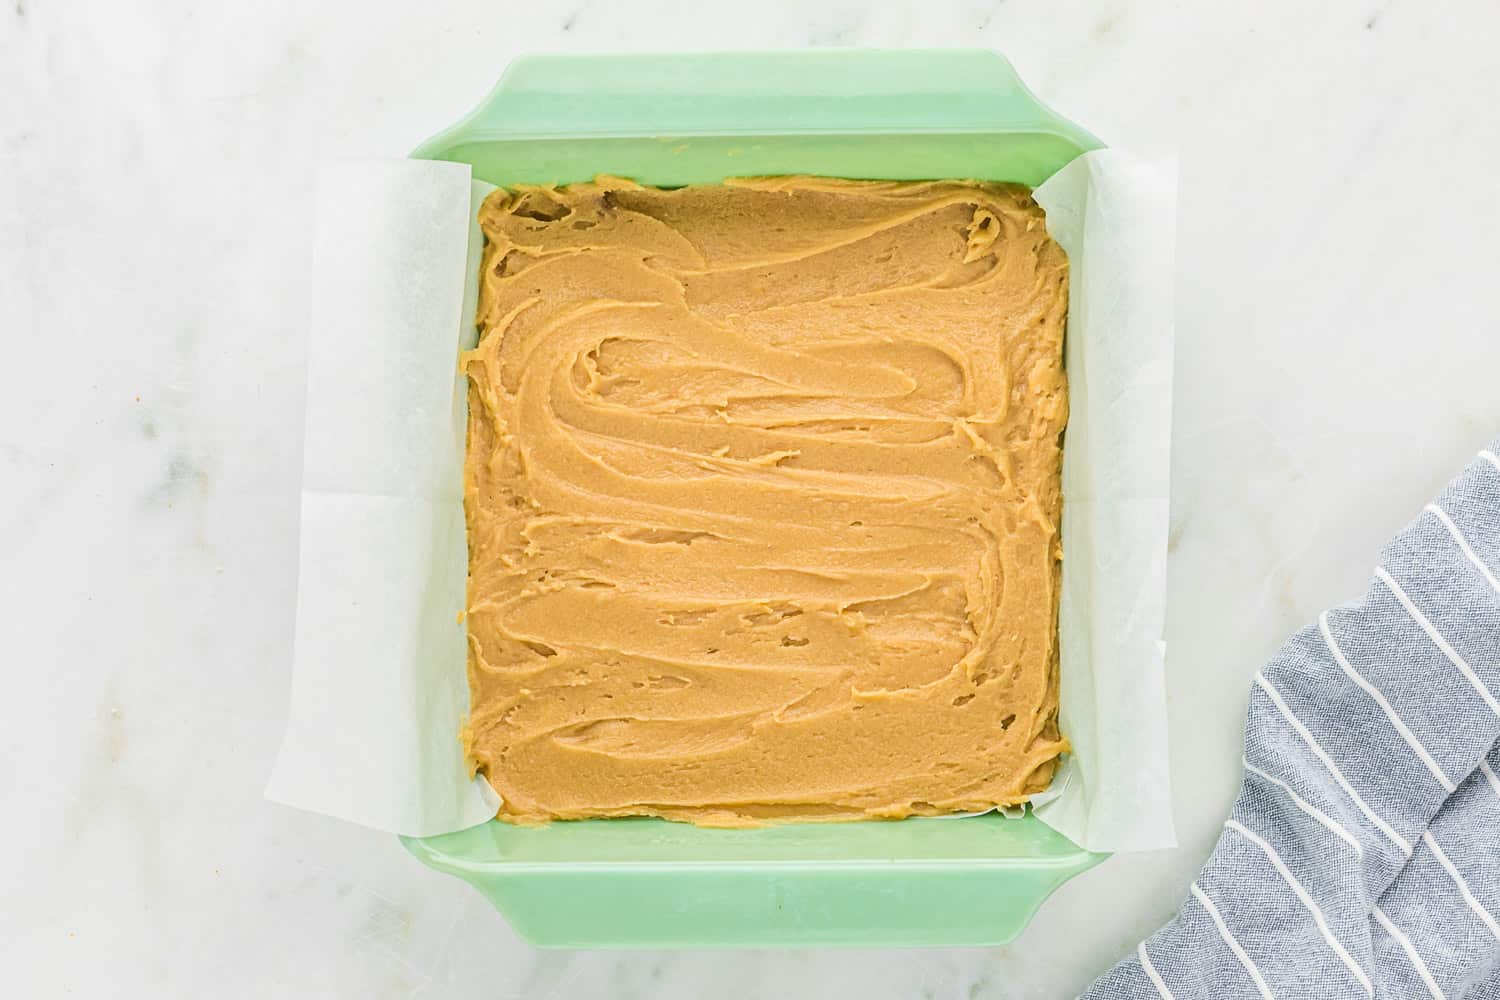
<point>1362,858</point>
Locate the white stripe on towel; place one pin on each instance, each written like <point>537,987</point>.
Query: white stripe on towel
<point>1234,946</point>
<point>1333,768</point>
<point>1490,775</point>
<point>1432,633</point>
<point>1411,952</point>
<point>1307,807</point>
<point>1463,887</point>
<point>1463,543</point>
<point>1151,973</point>
<point>1491,457</point>
<point>1385,706</point>
<point>1307,901</point>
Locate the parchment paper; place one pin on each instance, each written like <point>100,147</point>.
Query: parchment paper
<point>1116,216</point>
<point>378,659</point>
<point>378,672</point>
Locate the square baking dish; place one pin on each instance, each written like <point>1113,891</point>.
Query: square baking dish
<point>670,120</point>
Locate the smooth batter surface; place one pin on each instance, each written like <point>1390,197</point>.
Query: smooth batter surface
<point>763,493</point>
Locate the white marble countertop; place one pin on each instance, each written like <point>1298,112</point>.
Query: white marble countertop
<point>1336,362</point>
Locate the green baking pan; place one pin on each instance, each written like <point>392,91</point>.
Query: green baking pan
<point>698,118</point>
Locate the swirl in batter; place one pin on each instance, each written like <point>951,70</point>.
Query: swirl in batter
<point>762,491</point>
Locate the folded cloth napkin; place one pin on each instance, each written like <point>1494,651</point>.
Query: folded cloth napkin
<point>1362,857</point>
